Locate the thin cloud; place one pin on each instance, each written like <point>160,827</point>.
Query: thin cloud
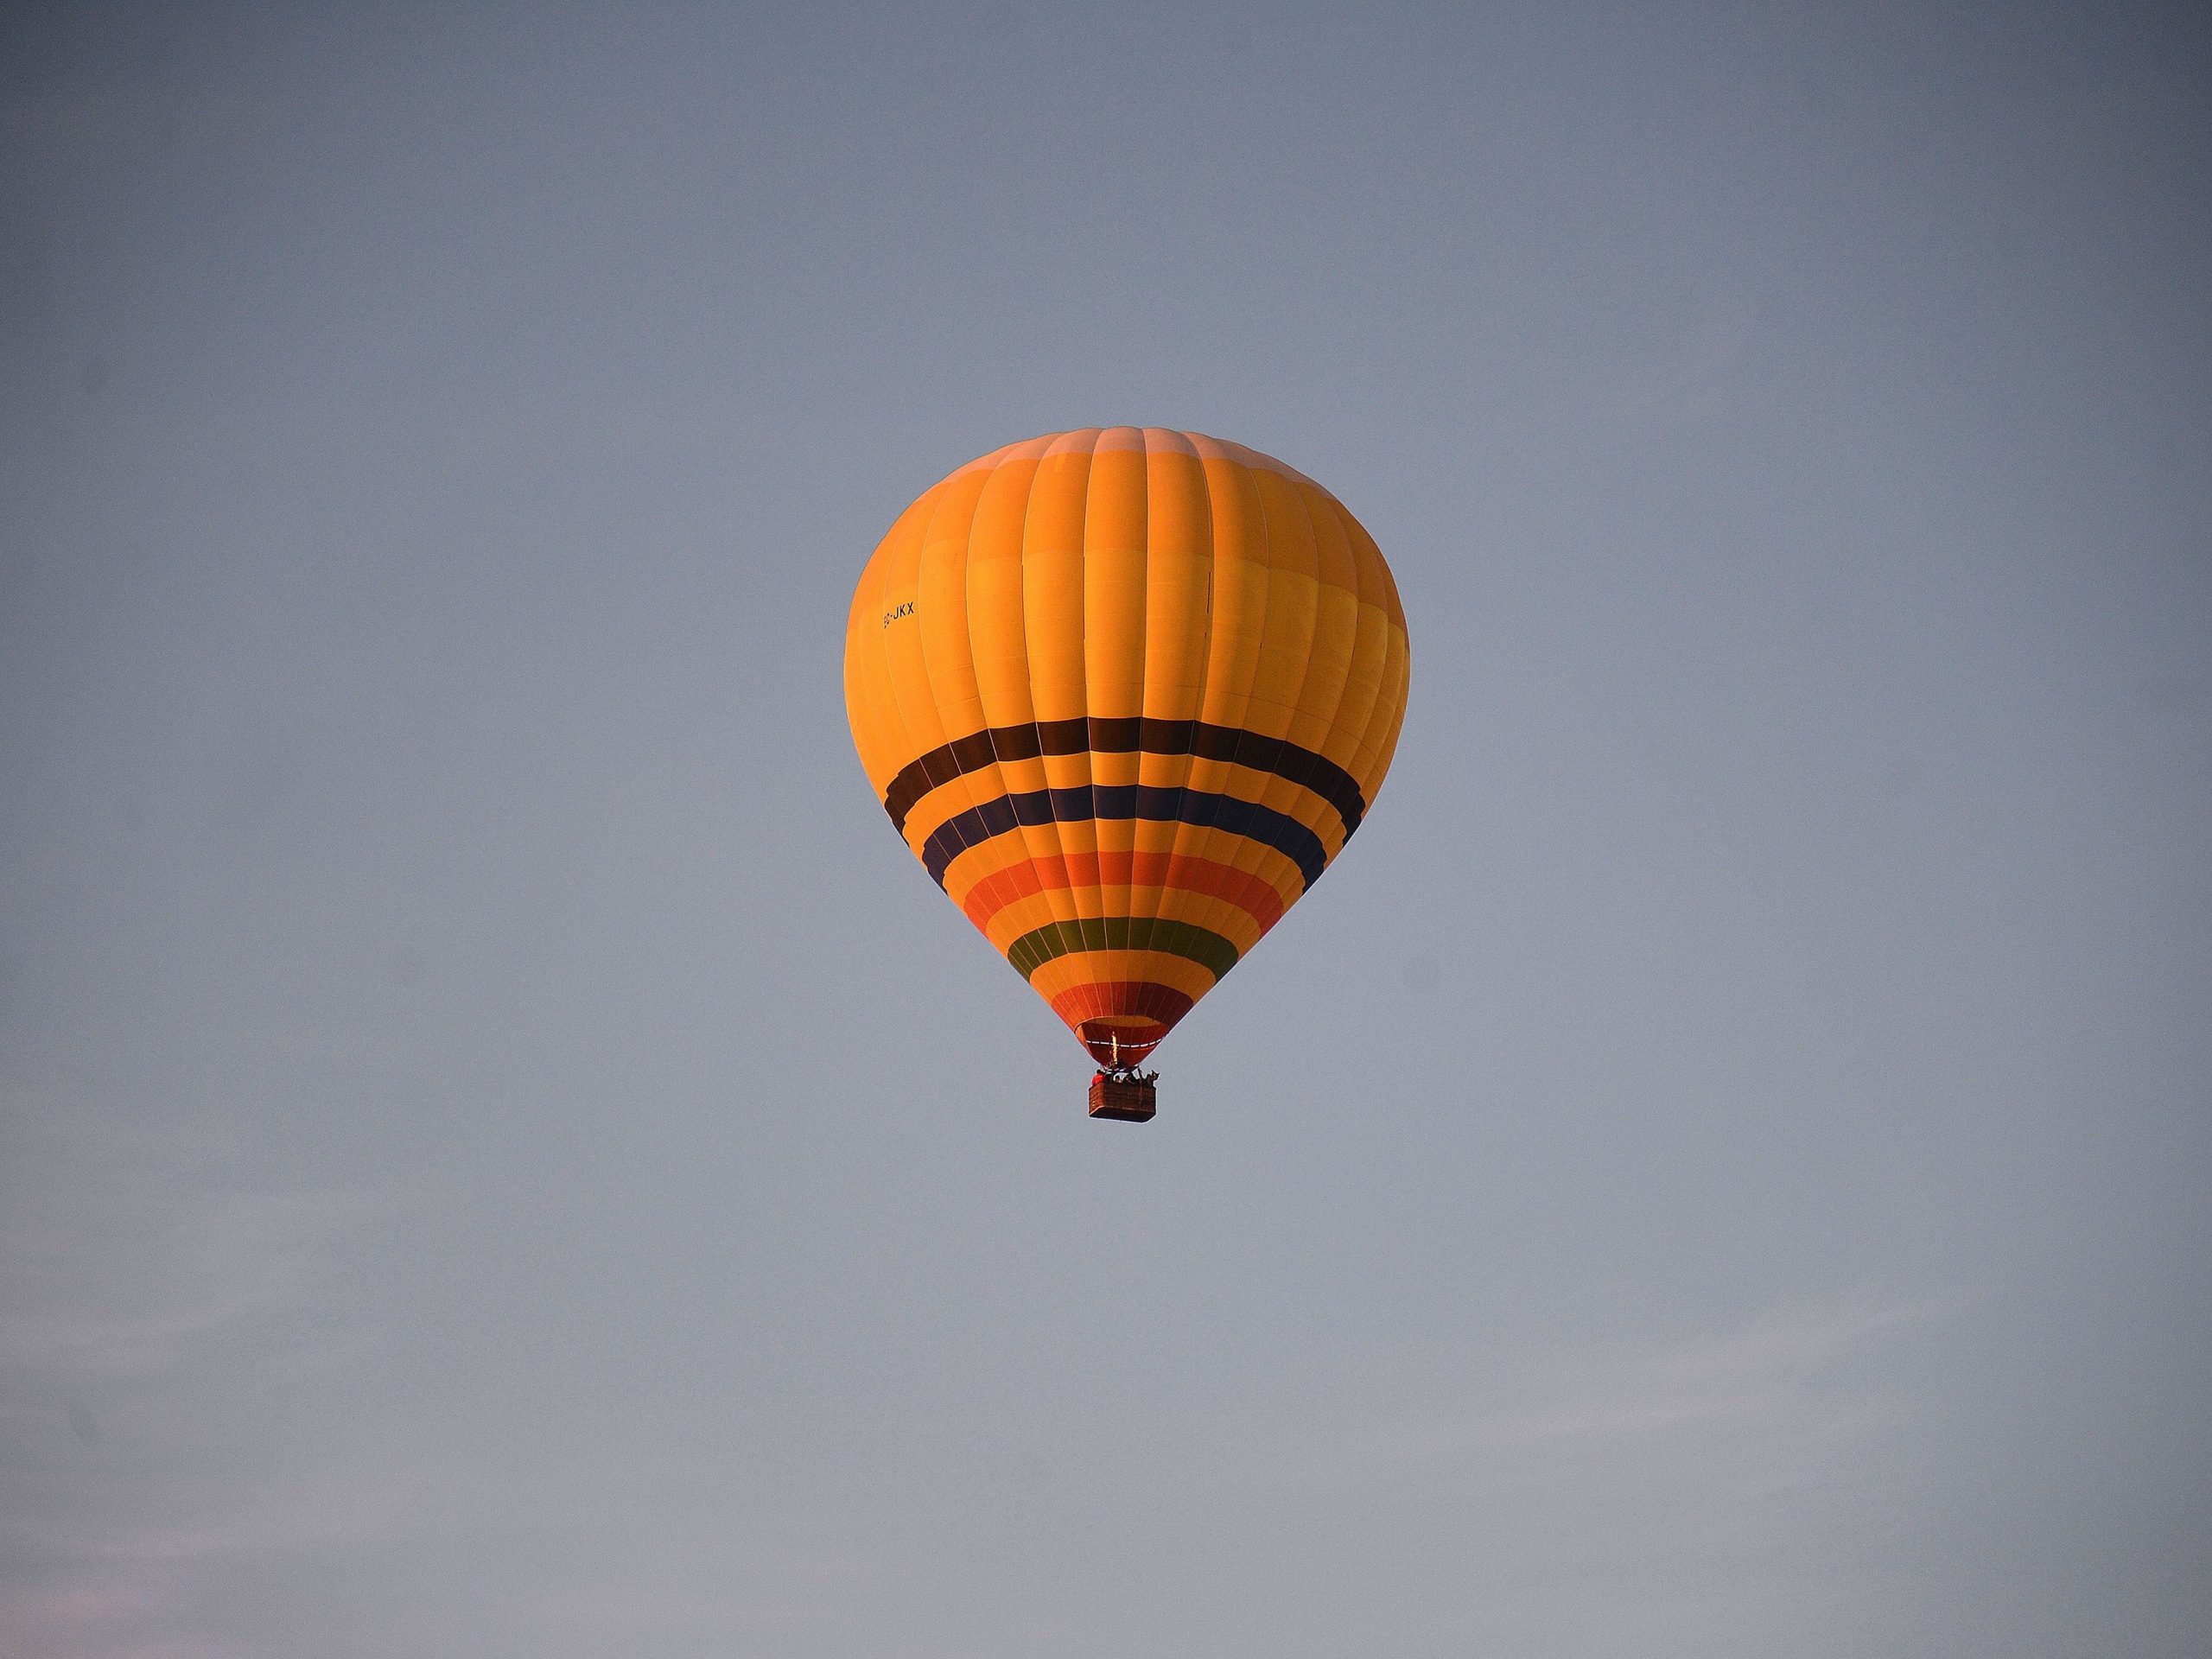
<point>115,1261</point>
<point>1571,1498</point>
<point>126,1260</point>
<point>1693,382</point>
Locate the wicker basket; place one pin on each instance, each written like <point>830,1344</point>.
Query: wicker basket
<point>1130,1103</point>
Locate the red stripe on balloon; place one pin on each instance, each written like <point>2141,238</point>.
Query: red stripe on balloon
<point>1253,895</point>
<point>1136,1012</point>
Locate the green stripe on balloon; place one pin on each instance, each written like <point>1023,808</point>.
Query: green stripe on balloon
<point>1034,948</point>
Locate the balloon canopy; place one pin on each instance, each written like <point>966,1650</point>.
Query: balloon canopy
<point>1126,692</point>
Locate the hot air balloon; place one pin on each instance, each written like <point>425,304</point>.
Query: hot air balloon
<point>1126,692</point>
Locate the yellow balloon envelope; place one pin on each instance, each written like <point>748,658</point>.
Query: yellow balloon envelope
<point>1126,692</point>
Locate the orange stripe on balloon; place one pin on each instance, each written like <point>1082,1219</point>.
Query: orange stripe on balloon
<point>1253,895</point>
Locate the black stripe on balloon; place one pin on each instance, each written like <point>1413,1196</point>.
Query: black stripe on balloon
<point>1088,802</point>
<point>977,750</point>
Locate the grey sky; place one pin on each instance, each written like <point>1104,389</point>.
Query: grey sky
<point>502,1152</point>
